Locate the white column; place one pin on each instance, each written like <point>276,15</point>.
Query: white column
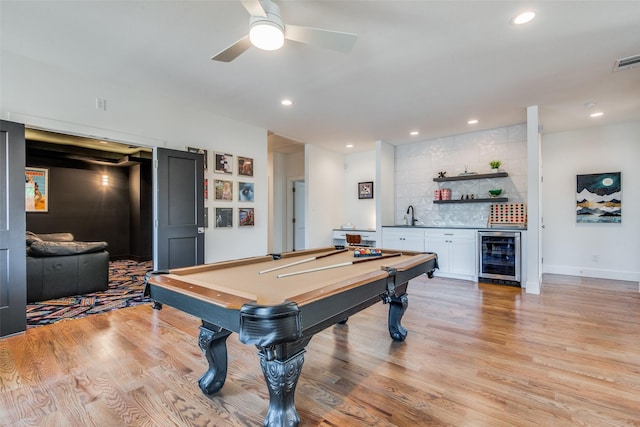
<point>533,281</point>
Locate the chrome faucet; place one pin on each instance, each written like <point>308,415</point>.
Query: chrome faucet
<point>413,214</point>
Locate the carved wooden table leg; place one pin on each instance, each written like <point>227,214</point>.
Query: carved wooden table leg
<point>282,377</point>
<point>213,342</point>
<point>397,306</point>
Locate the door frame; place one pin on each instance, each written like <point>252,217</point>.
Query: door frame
<point>290,225</point>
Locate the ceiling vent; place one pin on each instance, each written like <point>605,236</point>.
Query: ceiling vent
<point>626,63</point>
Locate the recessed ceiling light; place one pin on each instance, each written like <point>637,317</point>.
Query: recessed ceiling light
<point>414,133</point>
<point>523,17</point>
<point>473,122</point>
<point>286,102</point>
<point>598,114</point>
<point>349,145</point>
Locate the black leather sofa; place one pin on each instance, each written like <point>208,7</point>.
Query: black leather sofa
<point>58,266</point>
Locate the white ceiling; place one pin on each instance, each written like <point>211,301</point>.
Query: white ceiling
<point>423,65</point>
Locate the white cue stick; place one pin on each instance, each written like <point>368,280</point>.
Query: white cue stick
<point>302,261</point>
<point>342,264</point>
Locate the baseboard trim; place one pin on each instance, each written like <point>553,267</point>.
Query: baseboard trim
<point>566,270</point>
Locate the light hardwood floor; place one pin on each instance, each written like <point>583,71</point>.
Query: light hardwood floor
<point>476,355</point>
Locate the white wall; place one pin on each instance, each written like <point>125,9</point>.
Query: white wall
<point>569,247</point>
<point>385,180</point>
<point>284,167</point>
<point>324,176</point>
<point>41,95</point>
<point>417,164</point>
<point>359,167</point>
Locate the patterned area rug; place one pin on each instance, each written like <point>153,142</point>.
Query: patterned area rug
<point>126,287</point>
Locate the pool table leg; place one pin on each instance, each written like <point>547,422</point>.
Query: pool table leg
<point>213,342</point>
<point>281,365</point>
<point>397,306</point>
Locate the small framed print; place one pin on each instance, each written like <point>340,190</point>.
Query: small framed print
<point>224,163</point>
<point>365,190</point>
<point>223,189</point>
<point>224,217</point>
<point>245,166</point>
<point>36,190</point>
<point>245,191</point>
<point>245,217</point>
<point>200,151</point>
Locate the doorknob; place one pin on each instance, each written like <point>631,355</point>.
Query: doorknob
<point>200,230</point>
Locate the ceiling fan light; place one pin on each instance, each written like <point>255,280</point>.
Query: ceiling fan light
<point>266,35</point>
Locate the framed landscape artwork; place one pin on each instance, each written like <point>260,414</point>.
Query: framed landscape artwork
<point>599,198</point>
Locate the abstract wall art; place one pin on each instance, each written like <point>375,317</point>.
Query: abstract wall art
<point>599,198</point>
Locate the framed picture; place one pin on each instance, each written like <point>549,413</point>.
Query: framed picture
<point>200,151</point>
<point>365,190</point>
<point>36,189</point>
<point>245,191</point>
<point>224,163</point>
<point>224,217</point>
<point>245,217</point>
<point>599,198</point>
<point>245,166</point>
<point>223,189</point>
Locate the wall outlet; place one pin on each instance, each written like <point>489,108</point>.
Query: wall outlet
<point>101,104</point>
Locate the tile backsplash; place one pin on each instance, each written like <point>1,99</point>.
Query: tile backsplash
<point>418,163</point>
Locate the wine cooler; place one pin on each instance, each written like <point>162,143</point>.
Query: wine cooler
<point>499,253</point>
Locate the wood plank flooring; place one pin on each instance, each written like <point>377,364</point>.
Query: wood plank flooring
<point>476,355</point>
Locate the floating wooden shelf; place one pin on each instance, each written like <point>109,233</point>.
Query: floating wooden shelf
<point>488,200</point>
<point>476,176</point>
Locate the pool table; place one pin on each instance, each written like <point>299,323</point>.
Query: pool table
<point>278,302</point>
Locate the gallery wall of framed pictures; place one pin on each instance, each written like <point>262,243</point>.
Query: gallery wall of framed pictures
<point>232,192</point>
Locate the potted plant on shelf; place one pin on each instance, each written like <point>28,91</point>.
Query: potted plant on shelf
<point>495,165</point>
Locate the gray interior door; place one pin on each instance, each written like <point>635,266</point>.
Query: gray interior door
<point>179,209</point>
<point>13,259</point>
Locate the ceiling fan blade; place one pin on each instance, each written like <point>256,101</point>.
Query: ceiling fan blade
<point>233,51</point>
<point>334,40</point>
<point>254,8</point>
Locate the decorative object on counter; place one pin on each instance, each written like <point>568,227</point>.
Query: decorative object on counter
<point>495,165</point>
<point>508,214</point>
<point>437,195</point>
<point>367,252</point>
<point>442,174</point>
<point>599,198</point>
<point>348,226</point>
<point>365,190</point>
<point>473,196</point>
<point>495,192</point>
<point>445,194</point>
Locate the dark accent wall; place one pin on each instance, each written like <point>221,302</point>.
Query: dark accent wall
<point>141,209</point>
<point>119,213</point>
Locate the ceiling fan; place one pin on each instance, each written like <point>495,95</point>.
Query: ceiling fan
<point>268,31</point>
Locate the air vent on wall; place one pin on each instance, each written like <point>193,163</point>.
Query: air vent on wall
<point>626,63</point>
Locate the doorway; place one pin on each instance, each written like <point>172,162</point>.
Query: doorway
<point>299,222</point>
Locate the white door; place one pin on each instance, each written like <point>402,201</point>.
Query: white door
<point>299,216</point>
